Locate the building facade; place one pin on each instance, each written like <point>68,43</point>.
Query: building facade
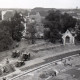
<point>68,38</point>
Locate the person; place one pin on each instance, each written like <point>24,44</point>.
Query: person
<point>28,55</point>
<point>64,62</point>
<point>7,60</point>
<point>61,59</point>
<point>55,63</point>
<point>55,73</point>
<point>4,70</point>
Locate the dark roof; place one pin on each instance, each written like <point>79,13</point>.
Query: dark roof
<point>43,11</point>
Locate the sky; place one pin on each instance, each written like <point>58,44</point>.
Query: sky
<point>39,3</point>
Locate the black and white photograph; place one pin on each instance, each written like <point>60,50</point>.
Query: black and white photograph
<point>39,39</point>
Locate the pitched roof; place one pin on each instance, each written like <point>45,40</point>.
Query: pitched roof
<point>68,33</point>
<point>8,14</point>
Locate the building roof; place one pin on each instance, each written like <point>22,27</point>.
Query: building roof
<point>68,33</point>
<point>8,15</point>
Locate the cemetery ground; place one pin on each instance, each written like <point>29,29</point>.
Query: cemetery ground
<point>39,52</point>
<point>66,69</point>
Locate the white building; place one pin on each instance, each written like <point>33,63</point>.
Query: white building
<point>7,14</point>
<point>68,38</point>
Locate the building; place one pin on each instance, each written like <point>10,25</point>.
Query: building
<point>7,14</point>
<point>68,38</point>
<point>37,17</point>
<point>39,30</point>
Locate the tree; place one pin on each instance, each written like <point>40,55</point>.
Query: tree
<point>17,26</point>
<point>77,28</point>
<point>5,37</point>
<point>32,31</point>
<point>11,30</point>
<point>68,22</point>
<point>57,24</point>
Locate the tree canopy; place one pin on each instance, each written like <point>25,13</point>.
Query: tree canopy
<point>31,30</point>
<point>57,23</point>
<point>10,31</point>
<point>77,29</point>
<point>5,37</point>
<point>17,26</point>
